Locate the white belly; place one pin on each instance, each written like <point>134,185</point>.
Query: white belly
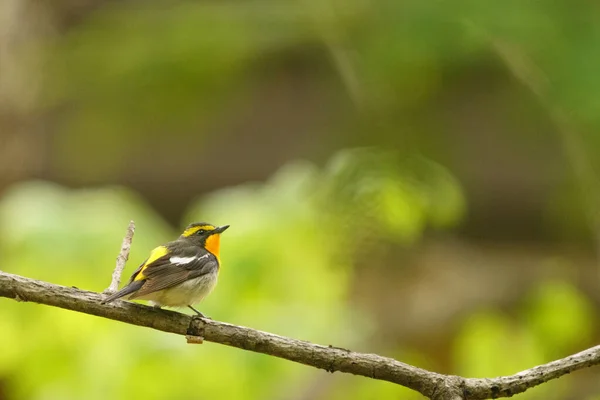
<point>184,294</point>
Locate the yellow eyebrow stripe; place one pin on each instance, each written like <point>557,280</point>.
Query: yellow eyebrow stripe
<point>155,254</point>
<point>194,229</point>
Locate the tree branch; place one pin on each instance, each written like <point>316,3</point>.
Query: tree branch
<point>430,384</point>
<point>506,386</point>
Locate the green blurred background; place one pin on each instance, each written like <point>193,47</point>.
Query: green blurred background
<point>410,178</point>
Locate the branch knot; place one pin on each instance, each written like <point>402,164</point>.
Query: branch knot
<point>195,330</point>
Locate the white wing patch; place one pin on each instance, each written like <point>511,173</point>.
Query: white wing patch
<point>185,260</point>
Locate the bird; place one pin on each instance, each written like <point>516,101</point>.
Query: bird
<point>179,273</point>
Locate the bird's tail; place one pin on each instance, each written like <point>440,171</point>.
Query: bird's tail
<point>132,287</point>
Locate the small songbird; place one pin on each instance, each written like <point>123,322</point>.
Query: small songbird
<point>180,273</point>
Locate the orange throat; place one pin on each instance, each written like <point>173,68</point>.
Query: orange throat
<point>213,242</point>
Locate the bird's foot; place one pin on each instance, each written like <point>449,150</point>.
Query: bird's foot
<point>198,313</point>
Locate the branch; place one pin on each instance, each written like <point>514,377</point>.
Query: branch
<point>121,260</point>
<point>506,386</point>
<point>430,384</point>
<point>324,357</point>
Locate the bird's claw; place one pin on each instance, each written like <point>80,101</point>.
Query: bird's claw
<point>198,313</point>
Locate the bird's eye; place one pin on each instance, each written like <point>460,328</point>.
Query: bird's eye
<point>201,232</point>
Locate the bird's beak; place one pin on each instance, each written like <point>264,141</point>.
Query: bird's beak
<point>221,229</point>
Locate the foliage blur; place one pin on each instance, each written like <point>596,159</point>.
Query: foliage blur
<point>409,178</point>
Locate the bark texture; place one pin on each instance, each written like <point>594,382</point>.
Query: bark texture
<point>430,384</point>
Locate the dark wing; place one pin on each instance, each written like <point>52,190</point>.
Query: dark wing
<point>170,271</point>
<point>158,255</point>
<point>130,288</point>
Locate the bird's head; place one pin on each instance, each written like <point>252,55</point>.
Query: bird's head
<point>205,235</point>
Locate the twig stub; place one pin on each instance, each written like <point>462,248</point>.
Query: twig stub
<point>121,260</point>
